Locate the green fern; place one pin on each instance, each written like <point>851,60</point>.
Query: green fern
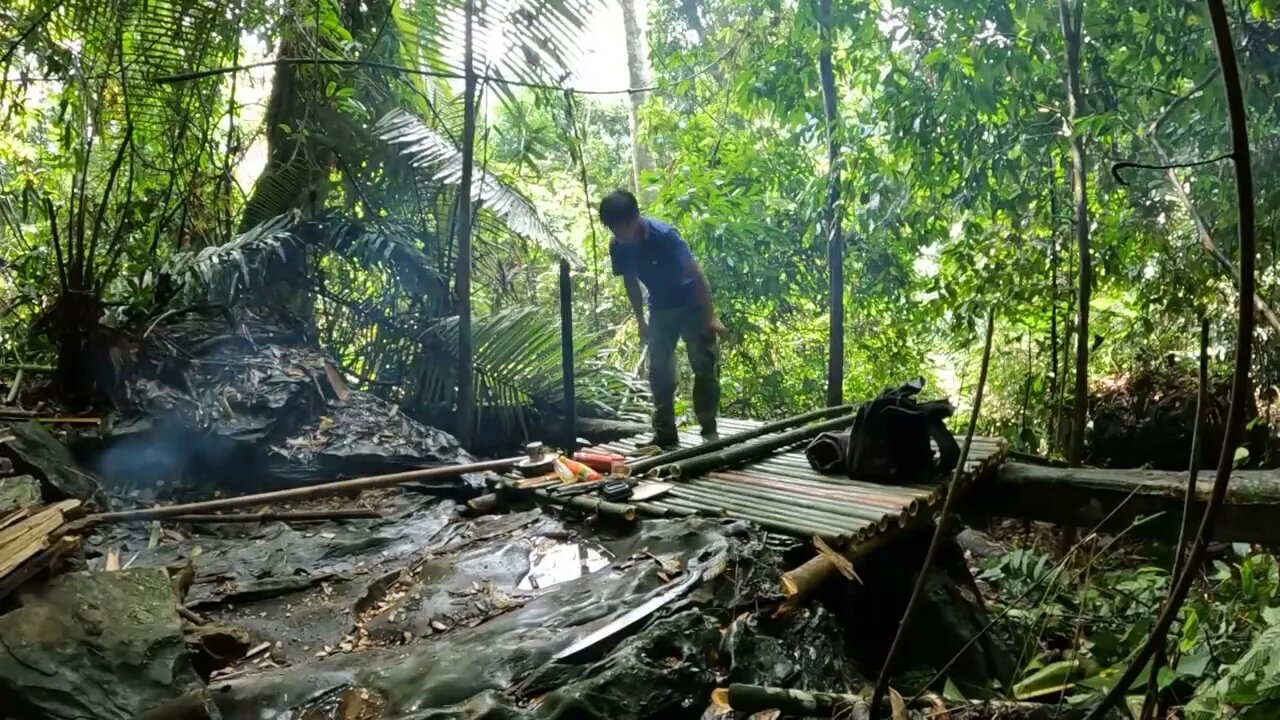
<point>1249,689</point>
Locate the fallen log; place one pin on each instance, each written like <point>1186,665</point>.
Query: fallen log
<point>1083,497</point>
<point>758,698</point>
<point>302,493</point>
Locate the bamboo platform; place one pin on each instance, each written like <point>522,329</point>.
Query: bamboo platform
<point>784,495</point>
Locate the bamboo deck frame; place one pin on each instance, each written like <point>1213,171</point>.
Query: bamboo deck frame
<point>784,495</point>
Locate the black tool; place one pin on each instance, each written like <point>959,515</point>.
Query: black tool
<point>571,489</point>
<point>612,489</point>
<point>615,490</point>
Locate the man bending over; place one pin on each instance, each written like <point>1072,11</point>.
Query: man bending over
<point>650,252</point>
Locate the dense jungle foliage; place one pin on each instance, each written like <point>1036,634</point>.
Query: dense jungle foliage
<point>312,153</point>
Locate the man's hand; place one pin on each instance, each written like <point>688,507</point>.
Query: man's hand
<point>716,327</point>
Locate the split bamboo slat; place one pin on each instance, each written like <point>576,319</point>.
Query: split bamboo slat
<point>28,541</point>
<point>782,494</point>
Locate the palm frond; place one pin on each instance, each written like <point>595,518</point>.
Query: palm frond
<point>222,272</point>
<point>535,41</point>
<point>441,161</point>
<point>517,367</point>
<point>244,263</point>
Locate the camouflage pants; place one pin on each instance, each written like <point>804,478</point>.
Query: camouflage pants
<point>666,328</point>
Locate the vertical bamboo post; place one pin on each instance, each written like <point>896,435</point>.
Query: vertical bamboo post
<point>835,242</point>
<point>566,355</point>
<point>466,399</point>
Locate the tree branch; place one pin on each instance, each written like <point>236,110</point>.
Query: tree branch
<point>1117,167</point>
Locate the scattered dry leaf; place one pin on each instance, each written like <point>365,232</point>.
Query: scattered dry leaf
<point>939,708</point>
<point>898,705</point>
<point>113,560</point>
<point>720,700</point>
<point>766,715</point>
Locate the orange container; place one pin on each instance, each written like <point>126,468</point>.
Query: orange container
<point>581,473</point>
<point>600,461</point>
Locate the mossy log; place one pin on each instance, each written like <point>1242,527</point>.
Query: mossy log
<point>1083,497</point>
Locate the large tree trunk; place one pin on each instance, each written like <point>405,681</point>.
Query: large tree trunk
<point>634,24</point>
<point>1071,27</point>
<point>835,240</point>
<point>466,392</point>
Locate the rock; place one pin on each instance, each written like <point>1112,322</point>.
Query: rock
<point>102,645</point>
<point>37,453</point>
<point>980,544</point>
<point>18,491</point>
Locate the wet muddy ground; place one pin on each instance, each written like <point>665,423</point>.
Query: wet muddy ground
<point>427,613</point>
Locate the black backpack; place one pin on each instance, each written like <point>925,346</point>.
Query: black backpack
<point>889,441</point>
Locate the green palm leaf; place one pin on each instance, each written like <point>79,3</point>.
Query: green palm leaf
<point>440,161</point>
<point>517,368</point>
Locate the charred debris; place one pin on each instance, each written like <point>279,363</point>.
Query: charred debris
<point>388,595</point>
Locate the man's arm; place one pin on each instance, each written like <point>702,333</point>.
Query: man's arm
<point>637,304</point>
<point>622,265</point>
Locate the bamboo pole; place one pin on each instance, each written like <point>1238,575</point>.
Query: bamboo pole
<point>302,493</point>
<point>944,515</point>
<point>589,504</point>
<point>640,466</point>
<point>769,522</point>
<point>895,495</point>
<point>737,505</point>
<point>300,516</point>
<point>783,505</point>
<point>466,399</point>
<point>753,451</point>
<point>827,490</point>
<point>837,506</point>
<point>566,357</point>
<point>798,583</point>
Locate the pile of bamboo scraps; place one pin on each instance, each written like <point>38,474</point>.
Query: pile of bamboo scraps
<point>30,542</point>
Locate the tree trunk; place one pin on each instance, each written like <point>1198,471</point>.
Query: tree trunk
<point>1055,379</point>
<point>835,241</point>
<point>633,23</point>
<point>1071,31</point>
<point>466,392</point>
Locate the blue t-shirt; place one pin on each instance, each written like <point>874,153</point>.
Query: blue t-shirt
<point>658,260</point>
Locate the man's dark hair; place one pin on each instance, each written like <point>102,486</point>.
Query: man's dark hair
<point>618,207</point>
